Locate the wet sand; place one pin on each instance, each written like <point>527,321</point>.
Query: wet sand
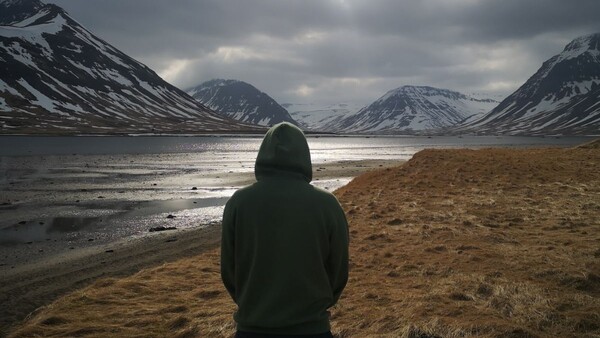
<point>76,243</point>
<point>53,204</point>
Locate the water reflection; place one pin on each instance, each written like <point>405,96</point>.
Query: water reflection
<point>46,230</point>
<point>68,145</point>
<point>71,224</point>
<point>137,217</point>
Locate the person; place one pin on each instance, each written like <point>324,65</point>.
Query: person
<point>284,246</point>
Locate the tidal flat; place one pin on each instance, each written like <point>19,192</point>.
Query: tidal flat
<point>68,220</point>
<point>68,193</point>
<point>54,204</point>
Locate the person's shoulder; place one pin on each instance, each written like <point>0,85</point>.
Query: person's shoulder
<point>327,202</point>
<point>324,194</point>
<point>243,193</point>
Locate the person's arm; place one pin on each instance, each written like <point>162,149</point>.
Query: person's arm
<point>338,257</point>
<point>228,250</point>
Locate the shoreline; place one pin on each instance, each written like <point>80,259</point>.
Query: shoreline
<point>50,209</point>
<point>27,288</point>
<point>30,283</point>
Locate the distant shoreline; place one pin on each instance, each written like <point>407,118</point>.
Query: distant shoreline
<point>25,145</point>
<point>260,134</point>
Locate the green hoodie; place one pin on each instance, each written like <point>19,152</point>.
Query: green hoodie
<point>284,250</point>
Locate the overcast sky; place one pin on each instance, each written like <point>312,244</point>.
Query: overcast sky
<point>330,51</point>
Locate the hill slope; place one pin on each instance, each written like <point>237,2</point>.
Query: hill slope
<point>413,109</point>
<point>562,97</point>
<point>240,101</point>
<point>58,77</point>
<point>320,117</point>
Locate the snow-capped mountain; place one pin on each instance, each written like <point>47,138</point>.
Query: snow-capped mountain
<point>562,97</point>
<point>241,101</point>
<point>57,77</point>
<point>320,117</point>
<point>414,109</point>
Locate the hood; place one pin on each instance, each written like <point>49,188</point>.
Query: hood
<point>284,153</point>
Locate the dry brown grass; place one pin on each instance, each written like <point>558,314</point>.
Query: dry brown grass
<point>455,243</point>
<point>180,299</point>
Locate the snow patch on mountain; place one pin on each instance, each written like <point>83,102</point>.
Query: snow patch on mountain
<point>240,101</point>
<point>414,109</point>
<point>560,98</point>
<point>55,75</point>
<point>321,117</point>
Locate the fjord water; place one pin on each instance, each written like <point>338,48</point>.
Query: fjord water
<point>59,193</point>
<point>342,147</point>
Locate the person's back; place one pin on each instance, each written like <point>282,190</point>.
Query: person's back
<point>285,243</point>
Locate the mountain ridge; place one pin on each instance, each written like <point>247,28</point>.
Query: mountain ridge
<point>561,97</point>
<point>240,101</point>
<point>59,78</point>
<point>413,109</point>
<point>316,117</point>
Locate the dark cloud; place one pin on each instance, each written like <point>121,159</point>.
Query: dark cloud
<point>518,19</point>
<point>476,20</point>
<point>337,50</point>
<point>151,24</point>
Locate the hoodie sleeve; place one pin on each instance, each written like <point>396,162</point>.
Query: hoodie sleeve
<point>338,256</point>
<point>228,250</point>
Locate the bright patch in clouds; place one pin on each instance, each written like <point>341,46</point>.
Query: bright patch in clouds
<point>174,69</point>
<point>499,86</point>
<point>303,91</point>
<point>234,54</point>
<point>310,37</point>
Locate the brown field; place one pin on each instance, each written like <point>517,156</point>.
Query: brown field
<point>454,243</point>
